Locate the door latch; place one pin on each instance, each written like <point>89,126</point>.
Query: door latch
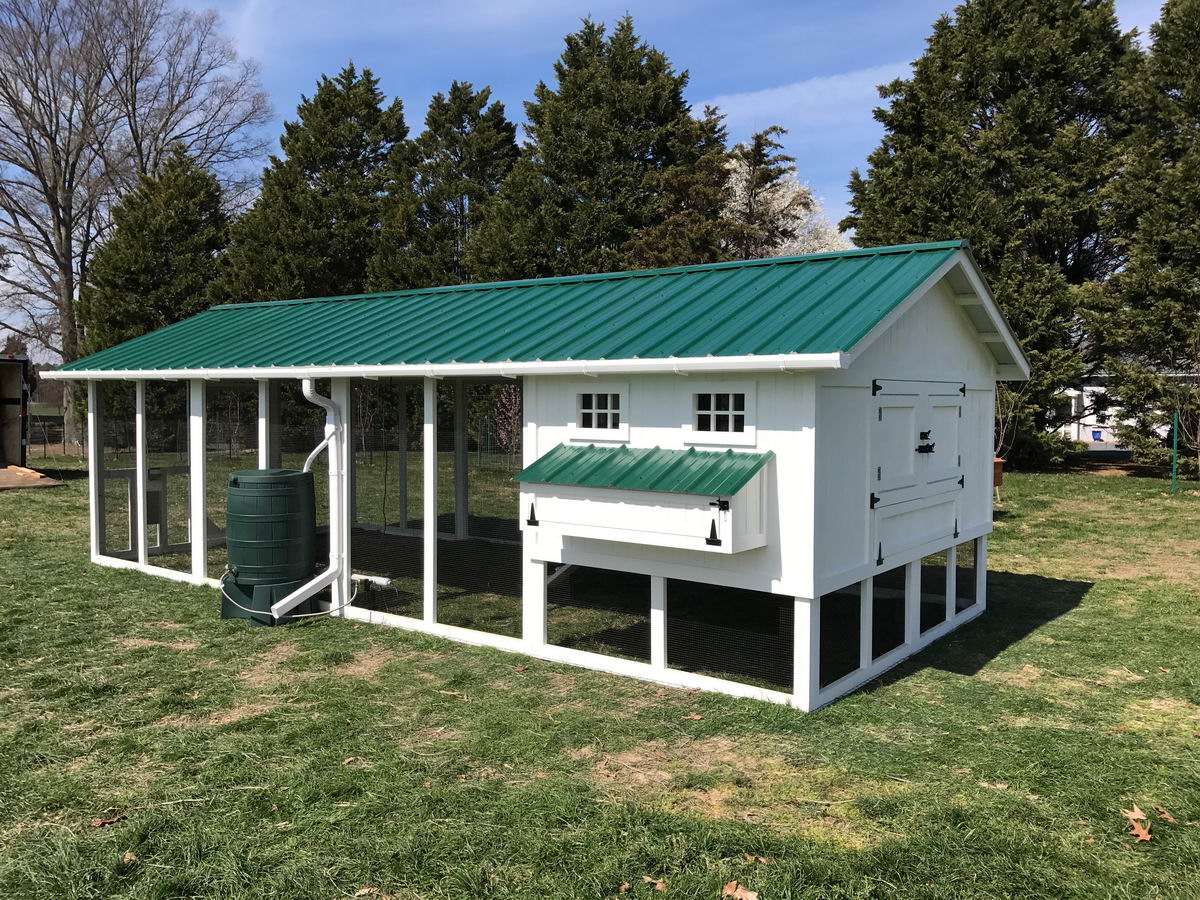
<point>925,448</point>
<point>721,505</point>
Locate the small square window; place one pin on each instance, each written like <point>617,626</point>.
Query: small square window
<point>596,410</point>
<point>722,411</point>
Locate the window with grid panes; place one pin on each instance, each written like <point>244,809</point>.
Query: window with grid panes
<point>721,411</point>
<point>599,410</point>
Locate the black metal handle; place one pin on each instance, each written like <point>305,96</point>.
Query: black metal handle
<point>925,448</point>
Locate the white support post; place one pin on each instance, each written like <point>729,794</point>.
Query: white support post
<point>95,449</point>
<point>351,412</point>
<point>951,582</point>
<point>658,621</point>
<point>981,572</point>
<point>461,506</point>
<point>806,653</point>
<point>402,474</point>
<point>269,455</point>
<point>340,498</point>
<point>197,479</point>
<point>866,620</point>
<point>912,602</point>
<point>533,603</point>
<point>137,508</point>
<point>429,494</point>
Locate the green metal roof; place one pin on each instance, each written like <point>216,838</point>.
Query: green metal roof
<point>688,471</point>
<point>820,303</point>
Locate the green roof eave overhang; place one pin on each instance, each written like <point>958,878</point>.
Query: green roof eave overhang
<point>781,362</point>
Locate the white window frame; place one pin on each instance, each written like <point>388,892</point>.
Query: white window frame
<point>577,432</point>
<point>746,438</point>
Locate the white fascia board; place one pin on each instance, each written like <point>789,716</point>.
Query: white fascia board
<point>780,362</point>
<point>1002,334</point>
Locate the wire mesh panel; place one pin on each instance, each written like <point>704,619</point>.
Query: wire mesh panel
<point>887,611</point>
<point>230,443</point>
<point>479,557</point>
<point>384,538</point>
<point>841,630</point>
<point>599,610</point>
<point>168,541</point>
<point>933,590</point>
<point>117,475</point>
<point>730,633</point>
<point>965,576</point>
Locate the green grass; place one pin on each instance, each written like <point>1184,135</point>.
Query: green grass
<point>313,761</point>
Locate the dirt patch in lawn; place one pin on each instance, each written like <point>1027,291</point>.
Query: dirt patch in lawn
<point>366,664</point>
<point>726,778</point>
<point>181,646</point>
<point>1026,677</point>
<point>220,717</point>
<point>266,672</point>
<point>1163,714</point>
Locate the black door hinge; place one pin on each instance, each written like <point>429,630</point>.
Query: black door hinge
<point>962,389</point>
<point>876,387</point>
<point>962,480</point>
<point>925,435</point>
<point>722,505</point>
<point>956,527</point>
<point>879,562</point>
<point>925,448</point>
<point>712,540</point>
<point>532,520</point>
<point>874,499</point>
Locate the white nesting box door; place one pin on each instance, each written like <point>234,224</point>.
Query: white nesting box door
<point>916,463</point>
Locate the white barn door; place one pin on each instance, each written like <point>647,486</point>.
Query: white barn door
<point>916,462</point>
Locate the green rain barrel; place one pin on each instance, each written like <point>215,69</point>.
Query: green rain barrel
<point>270,527</point>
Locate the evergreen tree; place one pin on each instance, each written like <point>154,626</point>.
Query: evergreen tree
<point>1154,327</point>
<point>767,203</point>
<point>1006,134</point>
<point>159,261</point>
<point>461,159</point>
<point>589,180</point>
<point>315,226</point>
<point>690,226</point>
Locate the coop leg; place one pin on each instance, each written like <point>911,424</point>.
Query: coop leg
<point>806,653</point>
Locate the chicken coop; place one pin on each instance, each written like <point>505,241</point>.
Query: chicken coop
<point>770,478</point>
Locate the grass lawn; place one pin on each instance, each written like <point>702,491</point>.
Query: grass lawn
<point>335,759</point>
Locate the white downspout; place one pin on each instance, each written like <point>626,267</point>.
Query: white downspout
<point>334,424</point>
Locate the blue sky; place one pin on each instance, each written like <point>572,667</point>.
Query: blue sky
<point>809,66</point>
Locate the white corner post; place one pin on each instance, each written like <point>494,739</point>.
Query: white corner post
<point>197,480</point>
<point>461,505</point>
<point>429,492</point>
<point>912,602</point>
<point>658,621</point>
<point>806,653</point>
<point>866,623</point>
<point>981,564</point>
<point>95,449</point>
<point>340,486</point>
<point>951,582</point>
<point>533,601</point>
<point>269,451</point>
<point>137,507</point>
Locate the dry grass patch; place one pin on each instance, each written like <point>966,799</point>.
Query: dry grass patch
<point>726,778</point>
<point>266,672</point>
<point>1163,714</point>
<point>181,646</point>
<point>1027,676</point>
<point>366,664</point>
<point>221,717</point>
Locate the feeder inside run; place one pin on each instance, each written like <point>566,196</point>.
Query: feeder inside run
<point>271,537</point>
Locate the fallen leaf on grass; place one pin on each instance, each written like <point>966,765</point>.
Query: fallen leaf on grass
<point>1164,815</point>
<point>1133,814</point>
<point>522,668</point>
<point>100,822</point>
<point>1090,841</point>
<point>695,717</point>
<point>369,891</point>
<point>1142,831</point>
<point>624,888</point>
<point>751,858</point>
<point>659,884</point>
<point>459,694</point>
<point>736,891</point>
<point>129,860</point>
<point>1114,730</point>
<point>995,785</point>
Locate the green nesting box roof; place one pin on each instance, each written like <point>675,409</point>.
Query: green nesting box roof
<point>690,471</point>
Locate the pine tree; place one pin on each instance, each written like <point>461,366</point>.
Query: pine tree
<point>1154,327</point>
<point>767,204</point>
<point>159,261</point>
<point>315,226</point>
<point>461,159</point>
<point>587,183</point>
<point>1006,134</point>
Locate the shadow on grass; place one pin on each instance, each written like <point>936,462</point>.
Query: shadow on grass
<point>1018,605</point>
